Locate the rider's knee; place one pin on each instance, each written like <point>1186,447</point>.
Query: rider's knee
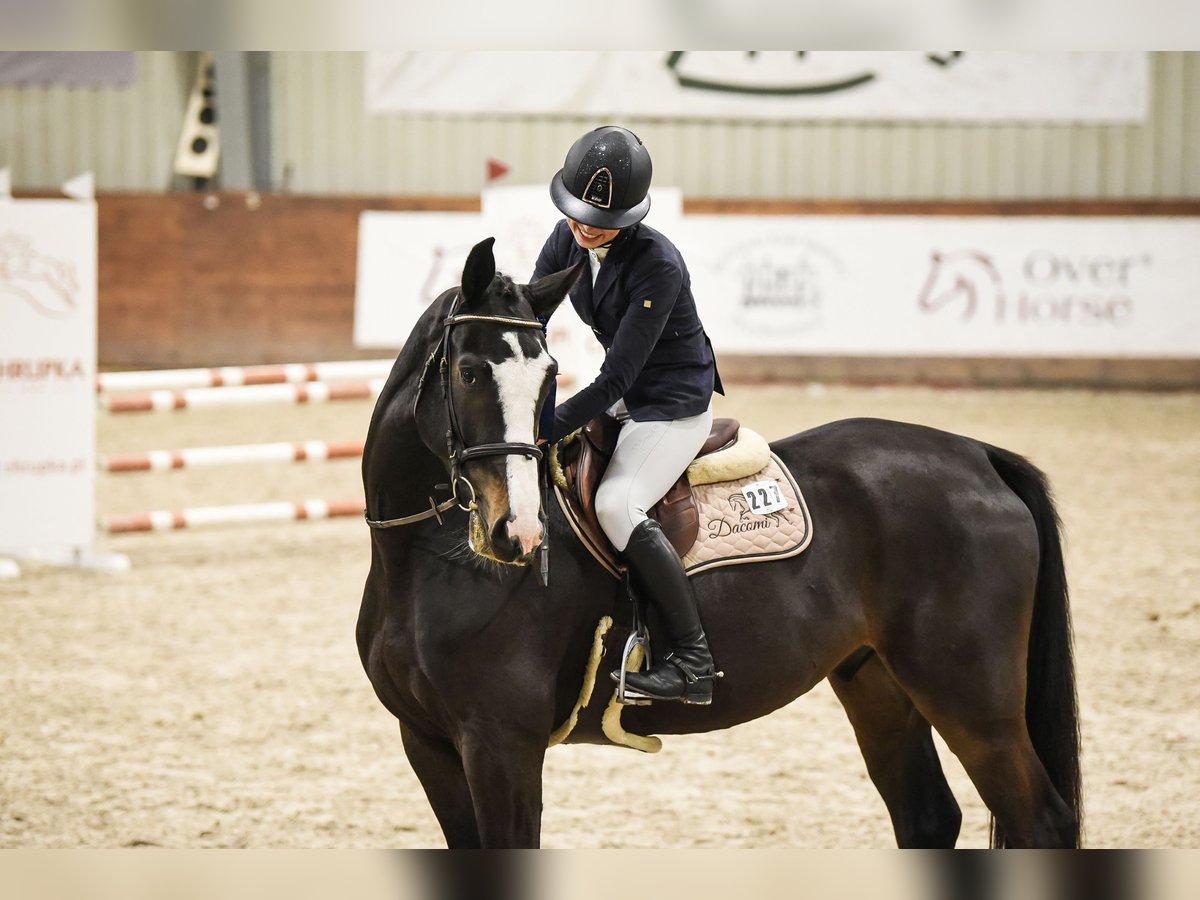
<point>614,514</point>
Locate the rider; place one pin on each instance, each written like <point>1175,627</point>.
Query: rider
<point>658,378</point>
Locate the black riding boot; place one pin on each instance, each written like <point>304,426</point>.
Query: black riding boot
<point>686,673</point>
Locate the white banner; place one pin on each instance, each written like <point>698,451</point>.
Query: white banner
<point>874,285</point>
<point>972,85</point>
<point>47,373</point>
<point>1021,287</point>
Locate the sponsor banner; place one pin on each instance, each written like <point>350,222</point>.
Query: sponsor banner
<point>855,286</point>
<point>47,373</point>
<point>934,286</point>
<point>971,85</point>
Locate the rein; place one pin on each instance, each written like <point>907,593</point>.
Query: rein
<point>456,450</point>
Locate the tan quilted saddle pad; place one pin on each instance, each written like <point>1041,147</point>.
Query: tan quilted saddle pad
<point>752,518</point>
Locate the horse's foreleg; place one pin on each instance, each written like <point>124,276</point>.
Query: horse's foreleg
<point>440,770</point>
<point>901,759</point>
<point>504,769</point>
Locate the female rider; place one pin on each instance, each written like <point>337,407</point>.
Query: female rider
<point>658,378</point>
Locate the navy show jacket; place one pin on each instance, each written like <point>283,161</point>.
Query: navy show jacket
<point>657,356</point>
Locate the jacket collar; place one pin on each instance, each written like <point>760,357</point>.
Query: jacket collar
<point>618,251</point>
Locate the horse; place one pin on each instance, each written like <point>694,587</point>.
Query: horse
<point>932,595</point>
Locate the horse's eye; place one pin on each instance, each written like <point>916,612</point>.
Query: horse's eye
<point>467,376</point>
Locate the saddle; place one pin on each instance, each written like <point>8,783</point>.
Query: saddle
<point>584,461</point>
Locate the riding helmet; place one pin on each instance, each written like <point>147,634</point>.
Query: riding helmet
<point>605,179</point>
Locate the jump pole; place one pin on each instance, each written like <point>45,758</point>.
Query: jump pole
<point>238,376</point>
<point>253,395</point>
<point>200,516</point>
<point>200,457</point>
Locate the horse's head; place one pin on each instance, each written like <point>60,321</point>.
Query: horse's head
<point>498,373</point>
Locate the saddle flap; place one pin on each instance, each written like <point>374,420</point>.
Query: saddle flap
<point>677,514</point>
<point>595,448</point>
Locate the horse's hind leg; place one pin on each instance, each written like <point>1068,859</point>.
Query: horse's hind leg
<point>440,771</point>
<point>901,759</point>
<point>1001,761</point>
<point>970,687</point>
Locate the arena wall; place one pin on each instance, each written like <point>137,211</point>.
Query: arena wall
<point>240,279</point>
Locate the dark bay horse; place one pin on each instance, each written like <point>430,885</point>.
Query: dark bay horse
<point>932,594</point>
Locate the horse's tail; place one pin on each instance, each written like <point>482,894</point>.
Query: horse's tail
<point>1051,707</point>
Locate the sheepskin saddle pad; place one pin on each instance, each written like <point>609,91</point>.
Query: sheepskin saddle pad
<point>737,502</point>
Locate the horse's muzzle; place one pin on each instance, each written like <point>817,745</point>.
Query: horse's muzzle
<point>497,544</point>
<point>512,542</point>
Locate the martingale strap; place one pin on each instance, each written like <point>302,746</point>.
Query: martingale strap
<point>456,452</point>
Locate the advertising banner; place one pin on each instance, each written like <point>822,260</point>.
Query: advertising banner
<point>778,85</point>
<point>941,286</point>
<point>852,286</point>
<point>47,373</point>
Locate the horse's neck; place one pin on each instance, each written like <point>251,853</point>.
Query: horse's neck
<point>399,472</point>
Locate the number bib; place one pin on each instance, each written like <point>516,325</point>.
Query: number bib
<point>764,497</point>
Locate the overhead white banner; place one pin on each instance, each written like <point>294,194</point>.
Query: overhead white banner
<point>971,85</point>
<point>47,373</point>
<point>855,286</point>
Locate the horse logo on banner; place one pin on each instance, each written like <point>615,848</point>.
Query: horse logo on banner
<point>47,284</point>
<point>965,279</point>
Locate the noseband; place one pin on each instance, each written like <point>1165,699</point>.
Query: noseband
<point>456,450</point>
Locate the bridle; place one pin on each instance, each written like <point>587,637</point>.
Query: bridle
<point>456,450</point>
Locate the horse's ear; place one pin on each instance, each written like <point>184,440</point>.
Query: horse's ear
<point>479,271</point>
<point>546,293</point>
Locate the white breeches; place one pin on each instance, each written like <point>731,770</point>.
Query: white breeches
<point>649,458</point>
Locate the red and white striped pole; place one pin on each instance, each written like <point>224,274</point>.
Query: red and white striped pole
<point>200,457</point>
<point>201,398</point>
<point>200,516</point>
<point>239,376</point>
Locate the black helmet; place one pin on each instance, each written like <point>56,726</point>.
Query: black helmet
<point>605,179</point>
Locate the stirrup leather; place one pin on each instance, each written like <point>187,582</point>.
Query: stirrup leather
<point>638,643</point>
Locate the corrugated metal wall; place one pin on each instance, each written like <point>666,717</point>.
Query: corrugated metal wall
<point>126,136</point>
<point>325,143</point>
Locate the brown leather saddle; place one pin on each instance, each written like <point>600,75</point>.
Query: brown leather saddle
<point>585,460</point>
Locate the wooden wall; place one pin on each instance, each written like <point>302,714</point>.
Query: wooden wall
<point>231,279</point>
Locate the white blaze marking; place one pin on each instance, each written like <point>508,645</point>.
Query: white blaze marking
<point>519,381</point>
